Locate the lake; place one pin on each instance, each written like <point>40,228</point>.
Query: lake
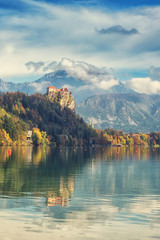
<point>66,193</point>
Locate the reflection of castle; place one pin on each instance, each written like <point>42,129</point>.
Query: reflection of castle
<point>57,201</point>
<point>60,197</point>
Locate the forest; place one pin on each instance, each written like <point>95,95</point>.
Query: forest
<point>52,125</point>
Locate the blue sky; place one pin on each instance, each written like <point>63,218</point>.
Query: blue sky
<point>118,35</point>
<point>116,4</point>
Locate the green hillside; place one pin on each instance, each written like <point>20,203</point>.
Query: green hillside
<point>37,111</point>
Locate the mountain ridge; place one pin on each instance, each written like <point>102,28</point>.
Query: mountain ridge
<point>61,79</point>
<point>132,112</point>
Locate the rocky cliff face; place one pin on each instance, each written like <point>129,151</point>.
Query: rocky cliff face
<point>63,97</point>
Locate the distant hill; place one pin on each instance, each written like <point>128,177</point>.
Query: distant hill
<point>128,112</point>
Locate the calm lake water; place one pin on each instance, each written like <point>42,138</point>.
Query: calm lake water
<point>111,193</point>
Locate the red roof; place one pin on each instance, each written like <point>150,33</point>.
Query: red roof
<point>52,87</point>
<point>58,90</point>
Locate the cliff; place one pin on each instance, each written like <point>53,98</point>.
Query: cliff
<point>61,96</point>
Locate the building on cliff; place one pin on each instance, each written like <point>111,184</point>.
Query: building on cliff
<point>52,90</point>
<point>62,96</point>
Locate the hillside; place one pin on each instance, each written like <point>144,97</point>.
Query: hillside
<point>38,111</point>
<point>128,112</point>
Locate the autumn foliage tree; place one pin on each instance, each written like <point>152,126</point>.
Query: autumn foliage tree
<point>4,138</point>
<point>36,137</point>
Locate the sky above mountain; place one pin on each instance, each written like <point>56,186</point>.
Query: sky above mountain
<point>120,36</point>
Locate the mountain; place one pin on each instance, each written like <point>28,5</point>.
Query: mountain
<point>57,79</point>
<point>12,87</point>
<point>131,112</point>
<point>61,79</point>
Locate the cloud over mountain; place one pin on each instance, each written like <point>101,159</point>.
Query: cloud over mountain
<point>98,77</point>
<point>34,65</point>
<point>144,85</point>
<point>102,78</point>
<point>43,66</point>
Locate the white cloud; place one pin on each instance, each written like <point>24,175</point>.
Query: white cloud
<point>86,72</point>
<point>144,85</point>
<point>35,66</point>
<point>107,84</point>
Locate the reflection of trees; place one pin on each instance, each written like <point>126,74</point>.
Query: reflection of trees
<point>51,172</point>
<point>123,153</point>
<point>122,173</point>
<point>41,171</point>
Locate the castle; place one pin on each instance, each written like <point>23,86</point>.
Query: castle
<point>62,96</point>
<point>52,90</point>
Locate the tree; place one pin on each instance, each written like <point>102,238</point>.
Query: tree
<point>4,138</point>
<point>10,127</point>
<point>144,137</point>
<point>45,140</point>
<point>122,140</point>
<point>129,141</point>
<point>36,137</point>
<point>154,142</point>
<point>108,138</point>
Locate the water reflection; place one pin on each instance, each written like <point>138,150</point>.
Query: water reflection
<point>104,190</point>
<point>52,171</point>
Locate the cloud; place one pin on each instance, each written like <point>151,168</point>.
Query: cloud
<point>144,85</point>
<point>35,66</point>
<point>94,77</point>
<point>50,66</point>
<point>107,84</point>
<point>102,78</point>
<point>84,71</point>
<point>154,72</point>
<point>41,66</point>
<point>118,29</point>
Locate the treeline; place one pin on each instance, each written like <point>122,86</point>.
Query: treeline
<point>114,137</point>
